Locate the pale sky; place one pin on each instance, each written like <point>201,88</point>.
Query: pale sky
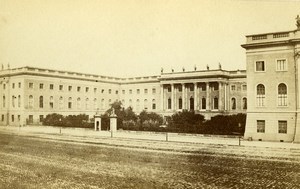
<point>127,38</point>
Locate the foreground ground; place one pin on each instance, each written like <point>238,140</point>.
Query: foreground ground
<point>41,162</point>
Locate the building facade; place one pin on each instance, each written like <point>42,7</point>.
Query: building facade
<point>273,86</point>
<point>29,94</point>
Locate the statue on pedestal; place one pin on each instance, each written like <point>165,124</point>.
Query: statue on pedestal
<point>298,22</point>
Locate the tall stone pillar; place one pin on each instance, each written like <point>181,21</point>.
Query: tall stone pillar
<point>97,123</point>
<point>195,97</point>
<point>162,97</point>
<point>207,96</point>
<point>183,96</point>
<point>225,96</point>
<point>221,96</point>
<point>172,97</point>
<point>113,121</point>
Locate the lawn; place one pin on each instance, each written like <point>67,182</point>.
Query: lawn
<point>27,162</point>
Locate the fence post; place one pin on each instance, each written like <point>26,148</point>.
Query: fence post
<point>239,140</point>
<point>111,134</point>
<point>167,137</point>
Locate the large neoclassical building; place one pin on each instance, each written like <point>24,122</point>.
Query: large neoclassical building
<point>28,94</point>
<point>273,86</point>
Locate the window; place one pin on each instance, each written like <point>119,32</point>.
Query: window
<point>95,104</point>
<point>130,102</point>
<point>281,65</point>
<point>95,90</point>
<point>102,91</point>
<point>13,100</point>
<point>4,86</point>
<point>41,85</point>
<point>244,104</point>
<point>13,85</point>
<point>30,85</point>
<point>169,103</point>
<point>215,86</point>
<point>153,91</point>
<point>169,89</point>
<point>153,104</point>
<point>78,103</point>
<point>260,126</point>
<point>41,118</point>
<point>41,102</point>
<point>51,103</point>
<point>146,91</point>
<point>19,101</point>
<point>2,118</point>
<point>51,86</point>
<point>12,118</point>
<point>145,104</point>
<point>233,103</point>
<point>102,103</point>
<point>233,87</point>
<point>123,91</point>
<point>70,103</point>
<point>203,103</point>
<point>61,102</point>
<point>260,95</point>
<point>138,91</point>
<point>260,66</point>
<point>282,95</point>
<point>180,88</point>
<point>109,91</point>
<point>192,103</point>
<point>244,87</point>
<point>30,101</point>
<point>137,104</point>
<point>87,89</point>
<point>78,89</point>
<point>19,118</point>
<point>117,92</point>
<point>191,88</point>
<point>130,91</point>
<point>216,103</point>
<point>3,100</point>
<point>19,84</point>
<point>87,103</point>
<point>282,127</point>
<point>180,103</point>
<point>61,87</point>
<point>70,88</point>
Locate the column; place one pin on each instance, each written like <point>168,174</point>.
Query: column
<point>225,98</point>
<point>162,97</point>
<point>172,97</point>
<point>221,96</point>
<point>207,96</point>
<point>195,97</point>
<point>183,96</point>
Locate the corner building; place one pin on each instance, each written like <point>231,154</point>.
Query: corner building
<point>273,86</point>
<point>29,94</point>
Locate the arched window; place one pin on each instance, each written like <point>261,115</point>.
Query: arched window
<point>102,104</point>
<point>51,102</point>
<point>61,102</point>
<point>153,104</point>
<point>282,95</point>
<point>41,102</point>
<point>137,104</point>
<point>130,102</point>
<point>30,101</point>
<point>70,103</point>
<point>180,103</point>
<point>19,101</point>
<point>3,99</point>
<point>260,95</point>
<point>145,104</point>
<point>13,101</point>
<point>78,103</point>
<point>203,103</point>
<point>95,104</point>
<point>233,103</point>
<point>244,104</point>
<point>87,103</point>
<point>169,103</point>
<point>216,103</point>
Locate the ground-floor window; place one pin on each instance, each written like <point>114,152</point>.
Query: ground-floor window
<point>203,103</point>
<point>169,103</point>
<point>261,126</point>
<point>282,127</point>
<point>12,118</point>
<point>41,118</point>
<point>2,117</point>
<point>216,103</point>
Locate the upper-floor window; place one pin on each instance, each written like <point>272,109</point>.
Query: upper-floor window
<point>51,86</point>
<point>145,104</point>
<point>70,103</point>
<point>180,88</point>
<point>70,88</point>
<point>153,104</point>
<point>123,91</point>
<point>130,91</point>
<point>138,91</point>
<point>244,87</point>
<point>78,89</point>
<point>61,87</point>
<point>30,85</point>
<point>260,95</point>
<point>117,92</point>
<point>169,89</point>
<point>244,104</point>
<point>19,84</point>
<point>61,102</point>
<point>95,90</point>
<point>260,66</point>
<point>282,95</point>
<point>13,101</point>
<point>191,87</point>
<point>4,86</point>
<point>233,87</point>
<point>281,65</point>
<point>146,91</point>
<point>233,103</point>
<point>3,101</point>
<point>153,91</point>
<point>19,101</point>
<point>13,85</point>
<point>41,85</point>
<point>30,101</point>
<point>109,91</point>
<point>51,102</point>
<point>41,102</point>
<point>87,89</point>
